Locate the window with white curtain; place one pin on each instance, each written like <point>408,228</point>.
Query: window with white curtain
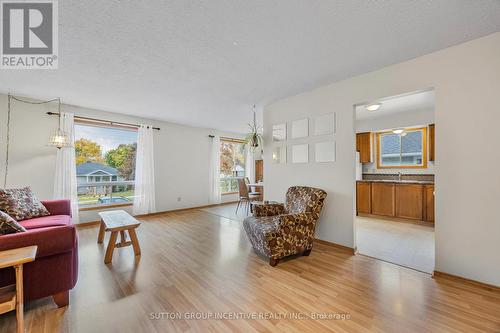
<point>105,165</point>
<point>232,164</point>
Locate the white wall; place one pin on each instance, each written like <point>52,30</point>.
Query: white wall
<point>403,119</point>
<point>181,155</point>
<point>395,120</point>
<point>467,84</point>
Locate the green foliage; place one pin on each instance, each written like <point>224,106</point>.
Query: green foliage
<point>231,155</point>
<point>122,158</point>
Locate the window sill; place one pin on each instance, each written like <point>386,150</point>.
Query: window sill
<point>83,209</point>
<point>229,193</point>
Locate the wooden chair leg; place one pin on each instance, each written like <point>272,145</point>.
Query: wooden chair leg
<point>19,299</point>
<point>61,299</point>
<point>100,238</point>
<point>111,247</point>
<point>239,202</point>
<point>135,242</point>
<point>273,262</point>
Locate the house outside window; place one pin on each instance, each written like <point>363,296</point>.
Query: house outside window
<point>105,165</point>
<point>402,150</point>
<point>232,164</point>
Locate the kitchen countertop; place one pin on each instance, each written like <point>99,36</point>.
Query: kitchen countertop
<point>424,182</point>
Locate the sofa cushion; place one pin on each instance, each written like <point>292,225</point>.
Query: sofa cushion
<point>46,221</point>
<point>50,240</point>
<point>8,225</point>
<point>21,204</point>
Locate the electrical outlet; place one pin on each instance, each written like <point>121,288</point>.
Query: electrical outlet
<point>179,199</point>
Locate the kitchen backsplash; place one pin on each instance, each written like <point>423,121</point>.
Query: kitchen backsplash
<point>395,176</point>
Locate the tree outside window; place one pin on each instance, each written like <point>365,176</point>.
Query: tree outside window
<point>232,165</point>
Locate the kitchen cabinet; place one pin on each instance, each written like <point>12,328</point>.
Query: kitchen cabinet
<point>383,199</point>
<point>363,145</point>
<point>429,203</point>
<point>432,131</point>
<point>363,197</point>
<point>409,201</point>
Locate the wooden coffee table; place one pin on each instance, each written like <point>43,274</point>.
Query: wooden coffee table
<point>118,221</point>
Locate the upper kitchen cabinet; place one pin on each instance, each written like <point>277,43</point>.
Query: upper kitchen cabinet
<point>432,131</point>
<point>363,145</point>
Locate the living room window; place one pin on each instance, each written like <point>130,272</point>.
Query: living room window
<point>232,164</point>
<point>105,165</point>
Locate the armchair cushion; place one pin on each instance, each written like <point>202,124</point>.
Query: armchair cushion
<point>292,220</point>
<point>21,204</point>
<point>271,209</point>
<point>8,225</point>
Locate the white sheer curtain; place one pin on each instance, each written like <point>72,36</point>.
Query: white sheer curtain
<point>249,164</point>
<point>215,195</point>
<point>144,201</point>
<point>65,179</point>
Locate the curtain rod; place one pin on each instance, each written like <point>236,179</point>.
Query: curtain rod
<point>101,120</point>
<point>225,138</point>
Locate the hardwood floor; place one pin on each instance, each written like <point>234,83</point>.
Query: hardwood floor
<point>194,261</point>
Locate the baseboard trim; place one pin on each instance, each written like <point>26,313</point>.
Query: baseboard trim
<point>348,249</point>
<point>452,277</point>
<point>93,223</point>
<point>185,209</point>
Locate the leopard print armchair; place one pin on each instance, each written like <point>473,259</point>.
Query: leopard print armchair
<point>280,230</point>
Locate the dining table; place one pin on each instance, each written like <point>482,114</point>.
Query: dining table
<point>259,187</point>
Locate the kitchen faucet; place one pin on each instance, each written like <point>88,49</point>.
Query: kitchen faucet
<point>399,175</point>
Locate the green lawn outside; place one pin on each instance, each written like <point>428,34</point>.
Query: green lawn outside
<point>85,199</point>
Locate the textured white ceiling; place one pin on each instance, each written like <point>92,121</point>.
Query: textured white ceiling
<point>420,101</point>
<point>205,62</point>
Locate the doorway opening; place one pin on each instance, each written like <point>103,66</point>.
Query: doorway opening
<point>394,211</point>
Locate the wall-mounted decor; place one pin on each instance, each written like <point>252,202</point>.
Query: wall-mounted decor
<point>300,153</point>
<point>279,155</point>
<point>279,132</point>
<point>300,128</point>
<point>325,151</point>
<point>324,124</point>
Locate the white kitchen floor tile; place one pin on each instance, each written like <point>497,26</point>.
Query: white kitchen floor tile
<point>404,244</point>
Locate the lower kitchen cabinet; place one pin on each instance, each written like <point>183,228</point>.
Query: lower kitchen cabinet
<point>429,203</point>
<point>409,201</point>
<point>363,197</point>
<point>383,199</point>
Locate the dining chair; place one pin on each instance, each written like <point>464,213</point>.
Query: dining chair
<point>246,197</point>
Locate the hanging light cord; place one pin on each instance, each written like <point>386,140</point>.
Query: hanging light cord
<point>9,99</point>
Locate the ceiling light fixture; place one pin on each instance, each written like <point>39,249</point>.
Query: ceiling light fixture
<point>398,131</point>
<point>373,107</point>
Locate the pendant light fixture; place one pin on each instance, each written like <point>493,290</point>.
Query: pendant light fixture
<point>59,138</point>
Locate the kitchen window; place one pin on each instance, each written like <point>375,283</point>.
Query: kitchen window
<point>402,148</point>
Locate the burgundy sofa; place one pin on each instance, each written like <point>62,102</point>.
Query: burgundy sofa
<point>55,270</point>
